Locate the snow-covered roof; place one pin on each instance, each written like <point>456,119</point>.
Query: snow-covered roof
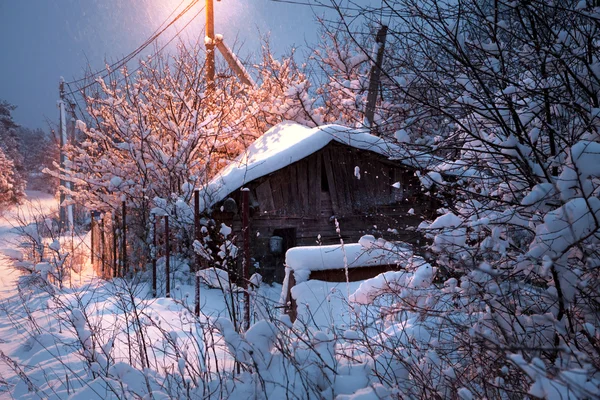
<point>289,142</point>
<point>366,253</point>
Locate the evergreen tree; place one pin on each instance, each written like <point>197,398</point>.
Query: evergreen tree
<point>38,151</point>
<point>11,160</point>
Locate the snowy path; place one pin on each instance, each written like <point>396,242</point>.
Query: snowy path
<point>8,277</point>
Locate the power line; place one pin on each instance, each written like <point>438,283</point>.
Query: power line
<point>147,42</point>
<point>299,3</point>
<point>80,89</point>
<point>153,34</point>
<point>320,5</point>
<point>334,6</point>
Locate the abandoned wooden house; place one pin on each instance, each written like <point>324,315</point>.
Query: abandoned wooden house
<point>319,186</point>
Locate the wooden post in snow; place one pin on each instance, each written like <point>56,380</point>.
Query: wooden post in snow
<point>102,245</point>
<point>154,255</point>
<point>374,80</point>
<point>125,268</point>
<point>198,256</point>
<point>246,256</point>
<point>115,259</point>
<point>92,239</point>
<point>168,260</point>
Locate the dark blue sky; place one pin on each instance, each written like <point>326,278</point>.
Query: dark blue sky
<point>42,40</point>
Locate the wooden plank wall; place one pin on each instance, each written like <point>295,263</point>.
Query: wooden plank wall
<point>296,190</point>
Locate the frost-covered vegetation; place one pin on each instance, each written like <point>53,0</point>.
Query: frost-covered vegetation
<point>12,183</point>
<point>23,154</point>
<point>503,95</point>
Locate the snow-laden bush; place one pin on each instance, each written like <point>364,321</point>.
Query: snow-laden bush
<point>155,135</point>
<point>45,253</point>
<point>518,238</point>
<point>509,95</point>
<point>10,190</point>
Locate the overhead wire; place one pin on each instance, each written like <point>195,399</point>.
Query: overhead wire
<point>299,3</point>
<point>122,62</point>
<point>333,6</point>
<point>72,91</point>
<point>159,31</point>
<point>119,64</point>
<point>153,34</point>
<point>80,89</point>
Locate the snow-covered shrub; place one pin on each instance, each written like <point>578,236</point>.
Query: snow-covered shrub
<point>39,150</point>
<point>46,252</point>
<point>516,85</point>
<point>284,94</point>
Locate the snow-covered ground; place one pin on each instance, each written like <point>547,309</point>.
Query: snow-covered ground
<point>96,339</point>
<point>9,240</point>
<point>39,329</point>
<point>9,253</point>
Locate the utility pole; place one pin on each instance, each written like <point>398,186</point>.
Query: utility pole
<point>61,118</point>
<point>374,80</point>
<point>66,210</point>
<point>213,41</point>
<point>209,41</point>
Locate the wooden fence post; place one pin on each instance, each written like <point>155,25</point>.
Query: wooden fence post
<point>115,259</point>
<point>291,308</point>
<point>246,256</point>
<point>125,268</point>
<point>154,254</point>
<point>93,250</point>
<point>168,256</point>
<point>102,245</point>
<point>198,256</point>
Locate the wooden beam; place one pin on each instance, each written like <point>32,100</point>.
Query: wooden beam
<point>264,194</point>
<point>333,189</point>
<point>233,62</point>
